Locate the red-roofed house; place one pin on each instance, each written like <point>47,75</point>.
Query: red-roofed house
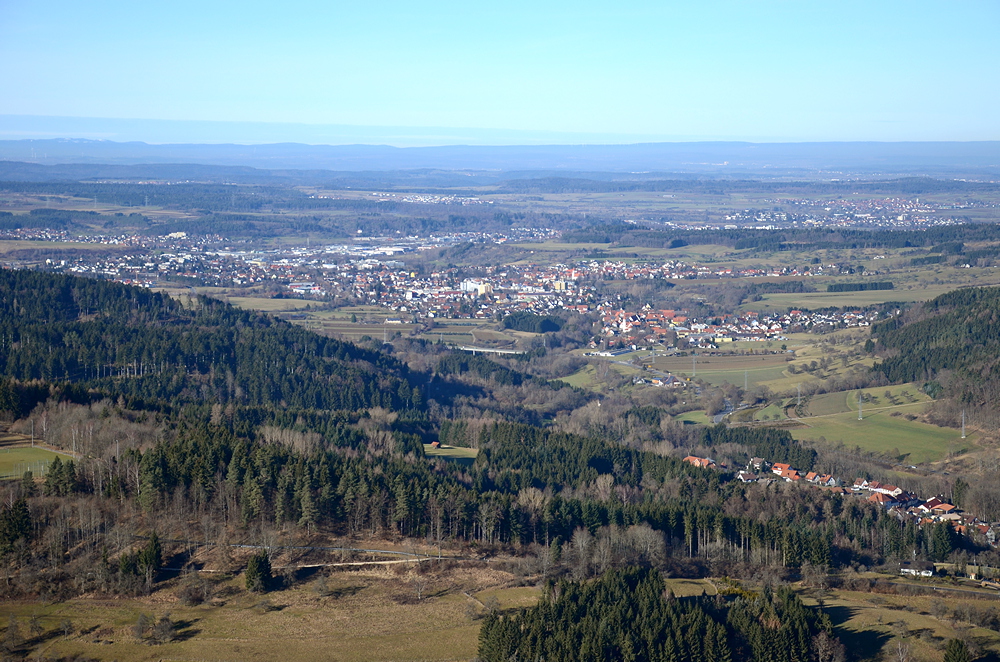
<point>882,499</point>
<point>702,462</point>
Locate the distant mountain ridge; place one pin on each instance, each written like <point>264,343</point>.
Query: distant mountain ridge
<point>716,159</point>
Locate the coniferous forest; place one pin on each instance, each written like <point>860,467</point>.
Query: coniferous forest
<point>627,615</point>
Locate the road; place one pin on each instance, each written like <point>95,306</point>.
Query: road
<point>725,412</point>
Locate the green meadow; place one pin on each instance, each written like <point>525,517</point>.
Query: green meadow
<point>15,461</point>
<point>912,442</point>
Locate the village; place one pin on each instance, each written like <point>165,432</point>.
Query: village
<point>646,327</point>
<point>905,506</point>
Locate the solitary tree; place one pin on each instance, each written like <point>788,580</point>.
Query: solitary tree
<point>258,574</point>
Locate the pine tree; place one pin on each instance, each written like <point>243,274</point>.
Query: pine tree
<point>53,477</point>
<point>28,484</point>
<point>151,557</point>
<point>258,573</point>
<point>957,651</point>
<point>15,524</point>
<point>310,514</point>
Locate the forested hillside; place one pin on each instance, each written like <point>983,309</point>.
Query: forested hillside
<point>952,344</point>
<point>113,340</point>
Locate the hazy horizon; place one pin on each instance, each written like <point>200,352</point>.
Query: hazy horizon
<point>172,132</point>
<point>523,72</point>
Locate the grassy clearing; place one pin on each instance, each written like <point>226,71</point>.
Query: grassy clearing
<point>772,412</point>
<point>834,417</point>
<point>585,377</point>
<point>913,441</point>
<point>693,418</point>
<point>683,588</point>
<point>15,461</point>
<point>465,455</point>
<point>511,598</point>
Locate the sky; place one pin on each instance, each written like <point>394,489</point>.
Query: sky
<point>442,72</point>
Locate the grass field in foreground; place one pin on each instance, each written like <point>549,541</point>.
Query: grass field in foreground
<point>375,617</point>
<point>366,616</point>
<point>15,461</point>
<point>882,433</point>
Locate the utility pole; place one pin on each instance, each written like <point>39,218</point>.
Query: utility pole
<point>963,424</point>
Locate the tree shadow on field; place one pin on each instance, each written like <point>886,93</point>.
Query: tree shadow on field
<point>861,643</point>
<point>344,591</point>
<point>187,635</point>
<point>303,574</point>
<point>179,562</point>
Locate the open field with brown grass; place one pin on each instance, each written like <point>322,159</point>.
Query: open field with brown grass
<point>876,622</point>
<point>355,615</point>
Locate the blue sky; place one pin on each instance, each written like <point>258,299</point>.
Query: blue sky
<point>809,70</point>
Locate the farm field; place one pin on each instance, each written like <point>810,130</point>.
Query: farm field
<point>817,300</point>
<point>370,321</point>
<point>719,369</point>
<point>901,396</point>
<point>913,441</point>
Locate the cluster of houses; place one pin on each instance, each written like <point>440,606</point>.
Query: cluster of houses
<point>784,472</point>
<point>899,501</point>
<point>904,505</point>
<point>648,326</point>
